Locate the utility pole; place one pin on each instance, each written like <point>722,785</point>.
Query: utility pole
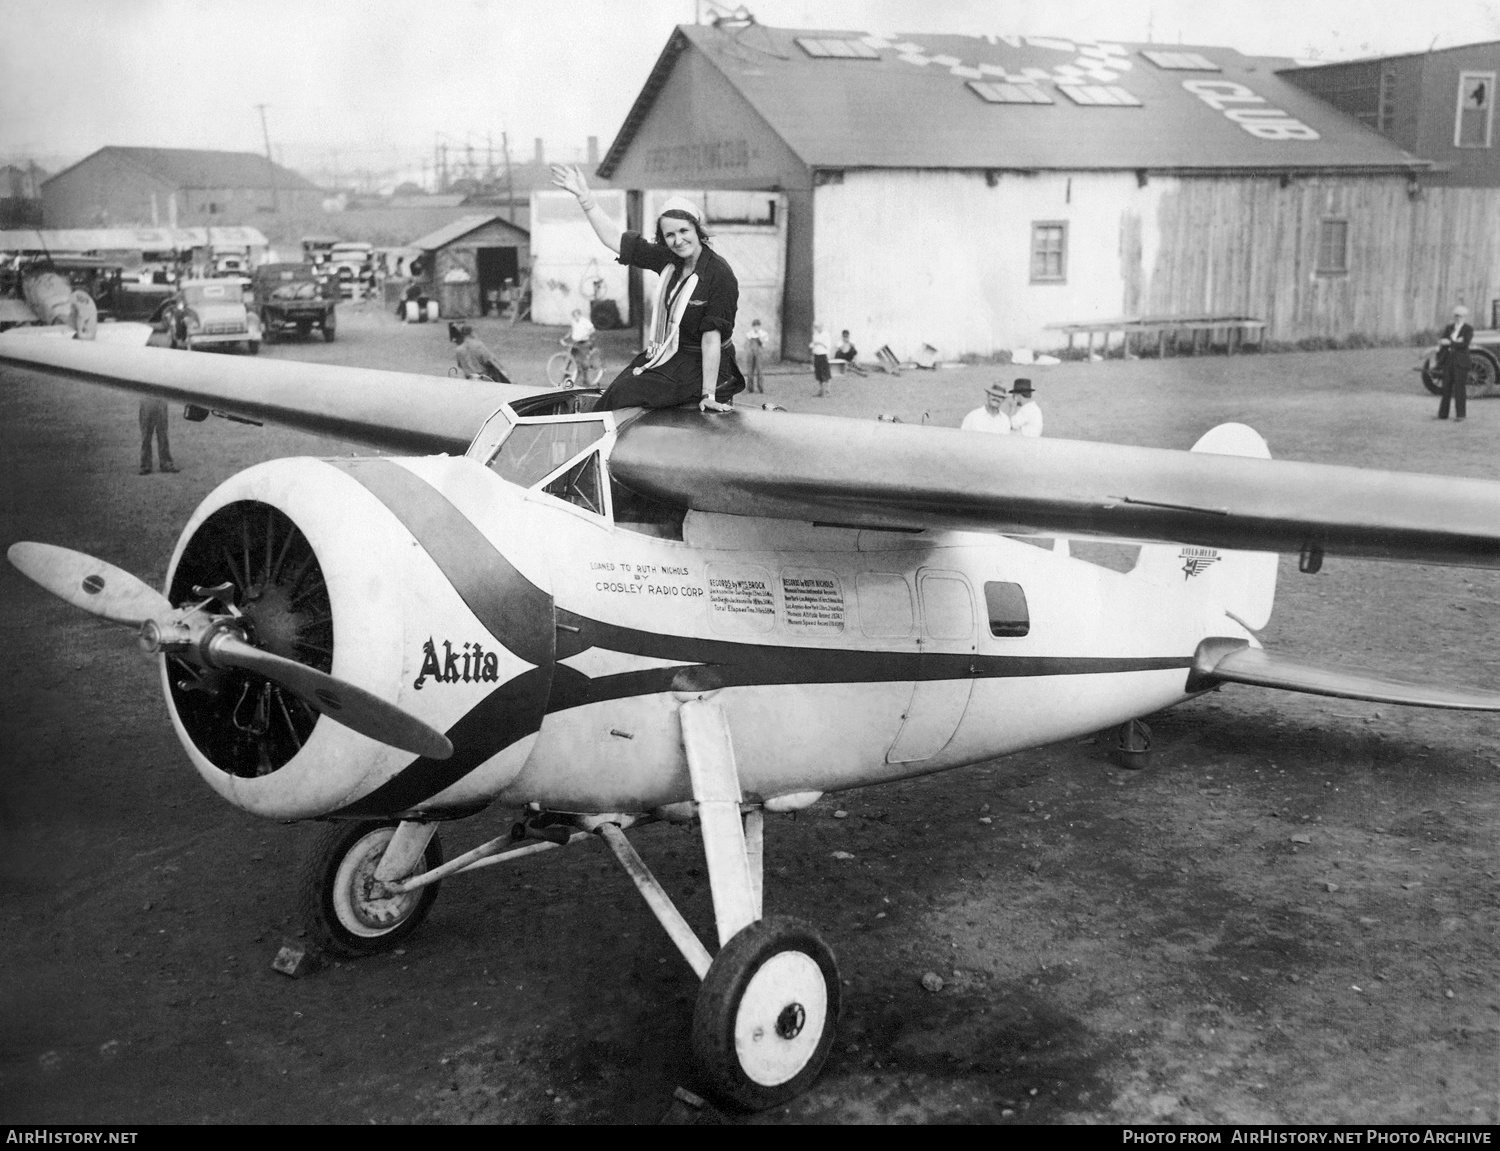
<point>510,186</point>
<point>270,164</point>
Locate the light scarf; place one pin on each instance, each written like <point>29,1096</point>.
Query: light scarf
<point>665,321</point>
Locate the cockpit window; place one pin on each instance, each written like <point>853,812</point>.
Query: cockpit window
<point>580,485</point>
<point>533,451</point>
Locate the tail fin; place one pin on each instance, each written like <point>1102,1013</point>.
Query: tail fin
<point>1242,583</point>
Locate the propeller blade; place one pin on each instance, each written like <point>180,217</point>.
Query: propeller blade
<point>97,587</point>
<point>342,702</point>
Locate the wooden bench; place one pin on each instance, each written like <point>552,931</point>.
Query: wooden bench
<point>1236,329</point>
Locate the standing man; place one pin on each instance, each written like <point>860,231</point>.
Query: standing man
<point>153,418</point>
<point>1027,417</point>
<point>1455,348</point>
<point>755,347</point>
<point>992,417</point>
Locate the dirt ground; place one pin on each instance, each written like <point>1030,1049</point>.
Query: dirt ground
<point>1290,917</point>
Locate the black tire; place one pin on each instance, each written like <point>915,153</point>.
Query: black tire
<point>329,330</point>
<point>1432,380</point>
<point>760,1049</point>
<point>334,898</point>
<point>253,347</point>
<point>1484,375</point>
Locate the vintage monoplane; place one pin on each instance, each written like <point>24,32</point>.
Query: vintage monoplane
<point>606,619</point>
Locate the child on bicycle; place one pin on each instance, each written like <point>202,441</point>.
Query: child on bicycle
<point>581,337</point>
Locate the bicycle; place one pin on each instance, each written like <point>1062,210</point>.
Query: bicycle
<point>565,368</point>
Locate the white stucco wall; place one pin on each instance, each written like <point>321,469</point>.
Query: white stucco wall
<point>940,257</point>
<point>565,251</point>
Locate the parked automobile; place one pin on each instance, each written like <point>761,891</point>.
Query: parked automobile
<point>351,263</point>
<point>210,313</point>
<point>1484,366</point>
<point>291,298</point>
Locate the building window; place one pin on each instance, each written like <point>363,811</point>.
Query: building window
<point>1476,107</point>
<point>1333,248</point>
<point>1181,61</point>
<point>1049,252</point>
<point>838,49</point>
<point>1386,114</point>
<point>1099,95</point>
<point>1009,93</point>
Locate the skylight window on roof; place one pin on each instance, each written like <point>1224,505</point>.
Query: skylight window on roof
<point>838,49</point>
<point>1181,61</point>
<point>1099,95</point>
<point>1010,93</point>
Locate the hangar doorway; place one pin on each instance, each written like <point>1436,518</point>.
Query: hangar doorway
<point>495,266</point>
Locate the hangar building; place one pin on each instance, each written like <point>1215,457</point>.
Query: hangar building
<point>1438,105</point>
<point>172,187</point>
<point>972,192</point>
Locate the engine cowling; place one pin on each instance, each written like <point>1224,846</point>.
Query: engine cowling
<point>388,575</point>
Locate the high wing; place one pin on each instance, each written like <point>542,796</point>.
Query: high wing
<point>390,411</point>
<point>857,472</point>
<point>873,474</point>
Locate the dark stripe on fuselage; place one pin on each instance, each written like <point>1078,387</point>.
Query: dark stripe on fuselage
<point>515,610</point>
<point>723,663</point>
<point>512,608</point>
<point>521,616</point>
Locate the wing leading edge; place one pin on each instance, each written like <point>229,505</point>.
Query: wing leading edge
<point>871,474</point>
<point>390,411</point>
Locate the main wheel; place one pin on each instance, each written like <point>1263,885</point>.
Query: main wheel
<point>766,1014</point>
<point>347,910</point>
<point>593,367</point>
<point>557,368</point>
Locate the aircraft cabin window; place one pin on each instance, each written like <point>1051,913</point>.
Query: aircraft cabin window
<point>947,609</point>
<point>532,451</point>
<point>580,485</point>
<point>1009,615</point>
<point>638,513</point>
<point>885,608</point>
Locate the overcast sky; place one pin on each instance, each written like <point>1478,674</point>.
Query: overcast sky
<point>365,84</point>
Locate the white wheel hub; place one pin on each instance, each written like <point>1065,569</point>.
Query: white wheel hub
<point>781,1018</point>
<point>365,906</point>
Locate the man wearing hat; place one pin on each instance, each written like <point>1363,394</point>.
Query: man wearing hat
<point>992,417</point>
<point>1454,347</point>
<point>1026,418</point>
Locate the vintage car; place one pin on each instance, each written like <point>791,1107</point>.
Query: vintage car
<point>210,313</point>
<point>1484,365</point>
<point>291,298</point>
<point>351,264</point>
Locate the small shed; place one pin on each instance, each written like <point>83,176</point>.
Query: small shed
<point>468,264</point>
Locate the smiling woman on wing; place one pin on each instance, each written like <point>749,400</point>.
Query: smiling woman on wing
<point>690,356</point>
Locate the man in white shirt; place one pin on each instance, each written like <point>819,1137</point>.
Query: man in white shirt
<point>990,418</point>
<point>1026,419</point>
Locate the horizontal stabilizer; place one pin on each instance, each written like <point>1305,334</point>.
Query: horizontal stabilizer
<point>1233,661</point>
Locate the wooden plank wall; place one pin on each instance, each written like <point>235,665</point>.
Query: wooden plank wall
<point>1251,245</point>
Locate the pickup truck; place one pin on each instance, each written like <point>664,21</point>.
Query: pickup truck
<point>351,264</point>
<point>291,298</point>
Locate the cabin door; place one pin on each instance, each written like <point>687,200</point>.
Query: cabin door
<point>945,667</point>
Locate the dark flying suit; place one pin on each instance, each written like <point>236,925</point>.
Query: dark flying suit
<point>711,307</point>
<point>1456,370</point>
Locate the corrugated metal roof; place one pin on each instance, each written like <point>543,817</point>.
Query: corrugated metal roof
<point>127,239</point>
<point>199,168</point>
<point>460,227</point>
<point>923,101</point>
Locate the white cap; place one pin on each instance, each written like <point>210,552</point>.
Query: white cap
<point>681,204</point>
